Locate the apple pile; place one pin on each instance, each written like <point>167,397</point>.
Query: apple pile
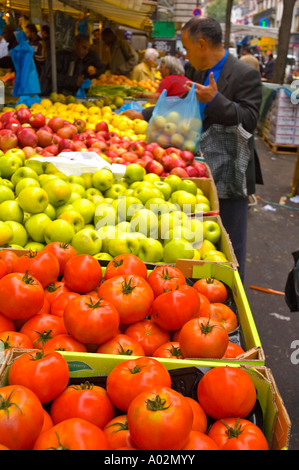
<point>101,216</point>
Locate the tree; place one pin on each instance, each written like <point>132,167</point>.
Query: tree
<point>229,7</point>
<point>283,41</point>
<point>217,10</point>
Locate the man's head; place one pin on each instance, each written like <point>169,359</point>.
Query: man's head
<point>81,46</point>
<point>31,32</point>
<point>150,57</point>
<point>202,39</point>
<point>8,32</point>
<point>171,65</point>
<point>108,36</point>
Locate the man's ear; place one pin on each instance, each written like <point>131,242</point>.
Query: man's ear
<point>202,43</point>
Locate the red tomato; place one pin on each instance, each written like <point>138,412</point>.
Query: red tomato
<point>133,376</point>
<point>200,420</point>
<point>118,433</point>
<point>91,320</point>
<point>173,309</point>
<point>86,401</point>
<point>213,289</point>
<point>39,264</point>
<point>132,296</point>
<point>3,270</point>
<point>226,391</point>
<point>148,334</point>
<point>46,375</point>
<point>6,324</point>
<point>54,290</point>
<point>62,251</point>
<point>15,339</point>
<point>200,441</point>
<point>123,345</point>
<point>21,417</point>
<point>126,264</point>
<point>203,337</point>
<point>3,447</point>
<point>170,350</point>
<point>160,419</point>
<point>204,307</point>
<point>59,304</point>
<point>21,296</point>
<point>48,423</point>
<point>72,434</point>
<point>82,273</point>
<point>45,308</point>
<point>238,434</point>
<point>10,258</point>
<point>64,342</point>
<point>43,327</point>
<point>233,350</point>
<point>165,278</point>
<point>224,315</point>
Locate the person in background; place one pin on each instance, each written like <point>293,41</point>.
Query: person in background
<point>248,57</point>
<point>123,55</point>
<point>39,47</point>
<point>269,68</point>
<point>3,47</point>
<point>45,35</point>
<point>100,48</point>
<point>147,67</point>
<point>8,34</point>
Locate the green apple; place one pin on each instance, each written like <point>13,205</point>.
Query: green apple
<point>115,191</point>
<point>8,183</point>
<point>126,206</point>
<point>183,233</point>
<point>9,164</point>
<point>87,178</point>
<point>78,188</point>
<point>103,256</point>
<point>211,231</point>
<point>177,249</point>
<point>36,165</point>
<point>138,235</point>
<point>86,241</point>
<point>43,179</point>
<point>134,172</point>
<point>214,255</point>
<point>145,221</point>
<point>34,246</point>
<point>50,168</point>
<point>19,233</point>
<point>123,227</point>
<point>50,211</point>
<point>24,183</point>
<point>33,200</point>
<point>73,197</point>
<point>169,220</point>
<point>106,233</point>
<point>105,214</point>
<point>150,250</point>
<point>16,152</point>
<point>151,177</point>
<point>157,205</point>
<point>96,199</point>
<point>74,218</point>
<point>186,201</point>
<point>92,192</point>
<point>21,173</point>
<point>58,190</point>
<point>64,208</point>
<point>123,244</point>
<point>123,182</point>
<point>102,179</point>
<point>201,199</point>
<point>36,225</point>
<point>86,208</point>
<point>164,187</point>
<point>174,181</point>
<point>6,193</point>
<point>199,192</point>
<point>206,246</point>
<point>76,179</point>
<point>189,186</point>
<point>200,208</point>
<point>143,193</point>
<point>59,230</point>
<point>10,210</point>
<point>6,233</point>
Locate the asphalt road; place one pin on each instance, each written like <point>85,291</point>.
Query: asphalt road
<point>273,234</point>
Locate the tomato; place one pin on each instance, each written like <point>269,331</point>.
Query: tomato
<point>48,423</point>
<point>238,434</point>
<point>3,447</point>
<point>233,350</point>
<point>200,420</point>
<point>123,345</point>
<point>131,295</point>
<point>6,324</point>
<point>204,307</point>
<point>43,327</point>
<point>118,433</point>
<point>64,342</point>
<point>133,376</point>
<point>148,334</point>
<point>14,339</point>
<point>173,309</point>
<point>170,350</point>
<point>91,320</point>
<point>41,265</point>
<point>62,251</point>
<point>59,304</point>
<point>213,289</point>
<point>165,278</point>
<point>200,441</point>
<point>224,315</point>
<point>226,391</point>
<point>203,337</point>
<point>3,270</point>
<point>45,308</point>
<point>86,401</point>
<point>126,264</point>
<point>160,419</point>
<point>72,434</point>
<point>21,417</point>
<point>21,296</point>
<point>82,273</point>
<point>10,258</point>
<point>46,374</point>
<point>54,290</point>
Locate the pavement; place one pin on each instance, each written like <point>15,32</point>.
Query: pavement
<point>273,235</point>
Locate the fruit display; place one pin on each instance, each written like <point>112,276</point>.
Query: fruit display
<point>109,78</point>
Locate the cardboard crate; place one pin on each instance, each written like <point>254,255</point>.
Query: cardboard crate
<point>270,412</point>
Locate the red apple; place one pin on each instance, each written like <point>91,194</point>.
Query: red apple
<point>5,116</point>
<point>8,139</point>
<point>80,124</point>
<point>118,160</point>
<point>192,171</point>
<point>104,134</point>
<point>158,153</point>
<point>37,120</point>
<point>150,147</point>
<point>102,126</point>
<point>169,162</point>
<point>137,148</point>
<point>65,144</point>
<point>13,124</point>
<point>145,159</point>
<point>29,151</point>
<point>23,115</point>
<point>53,149</point>
<point>56,123</point>
<point>100,144</point>
<point>79,146</point>
<point>65,132</point>
<point>187,156</point>
<point>129,157</point>
<point>154,167</point>
<point>111,154</point>
<point>174,150</point>
<point>45,138</point>
<point>202,169</point>
<point>118,148</point>
<point>179,172</point>
<point>27,137</point>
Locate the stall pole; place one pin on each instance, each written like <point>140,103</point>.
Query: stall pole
<point>53,49</point>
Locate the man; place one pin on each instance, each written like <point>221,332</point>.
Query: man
<point>123,56</point>
<point>223,80</point>
<point>8,34</point>
<point>248,57</point>
<point>38,45</point>
<point>146,69</point>
<point>269,68</point>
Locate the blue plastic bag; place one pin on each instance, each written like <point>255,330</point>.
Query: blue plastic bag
<point>133,105</point>
<point>81,93</point>
<point>176,122</point>
<point>26,77</point>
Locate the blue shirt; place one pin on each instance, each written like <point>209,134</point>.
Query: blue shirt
<point>217,69</point>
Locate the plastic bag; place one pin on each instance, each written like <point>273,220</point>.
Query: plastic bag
<point>81,93</point>
<point>176,122</point>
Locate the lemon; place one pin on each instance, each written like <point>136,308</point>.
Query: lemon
<point>20,106</point>
<point>46,103</point>
<point>93,110</point>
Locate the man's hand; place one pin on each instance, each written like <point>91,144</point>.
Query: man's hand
<point>205,94</point>
<point>80,80</point>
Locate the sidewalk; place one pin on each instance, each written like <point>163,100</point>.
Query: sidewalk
<point>273,234</point>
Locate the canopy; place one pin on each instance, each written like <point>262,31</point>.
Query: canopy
<point>250,30</point>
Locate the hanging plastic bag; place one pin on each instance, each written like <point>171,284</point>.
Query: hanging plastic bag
<point>176,122</point>
<point>81,93</point>
<point>133,105</point>
<point>26,77</point>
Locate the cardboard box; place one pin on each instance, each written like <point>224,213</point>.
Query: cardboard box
<point>282,139</point>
